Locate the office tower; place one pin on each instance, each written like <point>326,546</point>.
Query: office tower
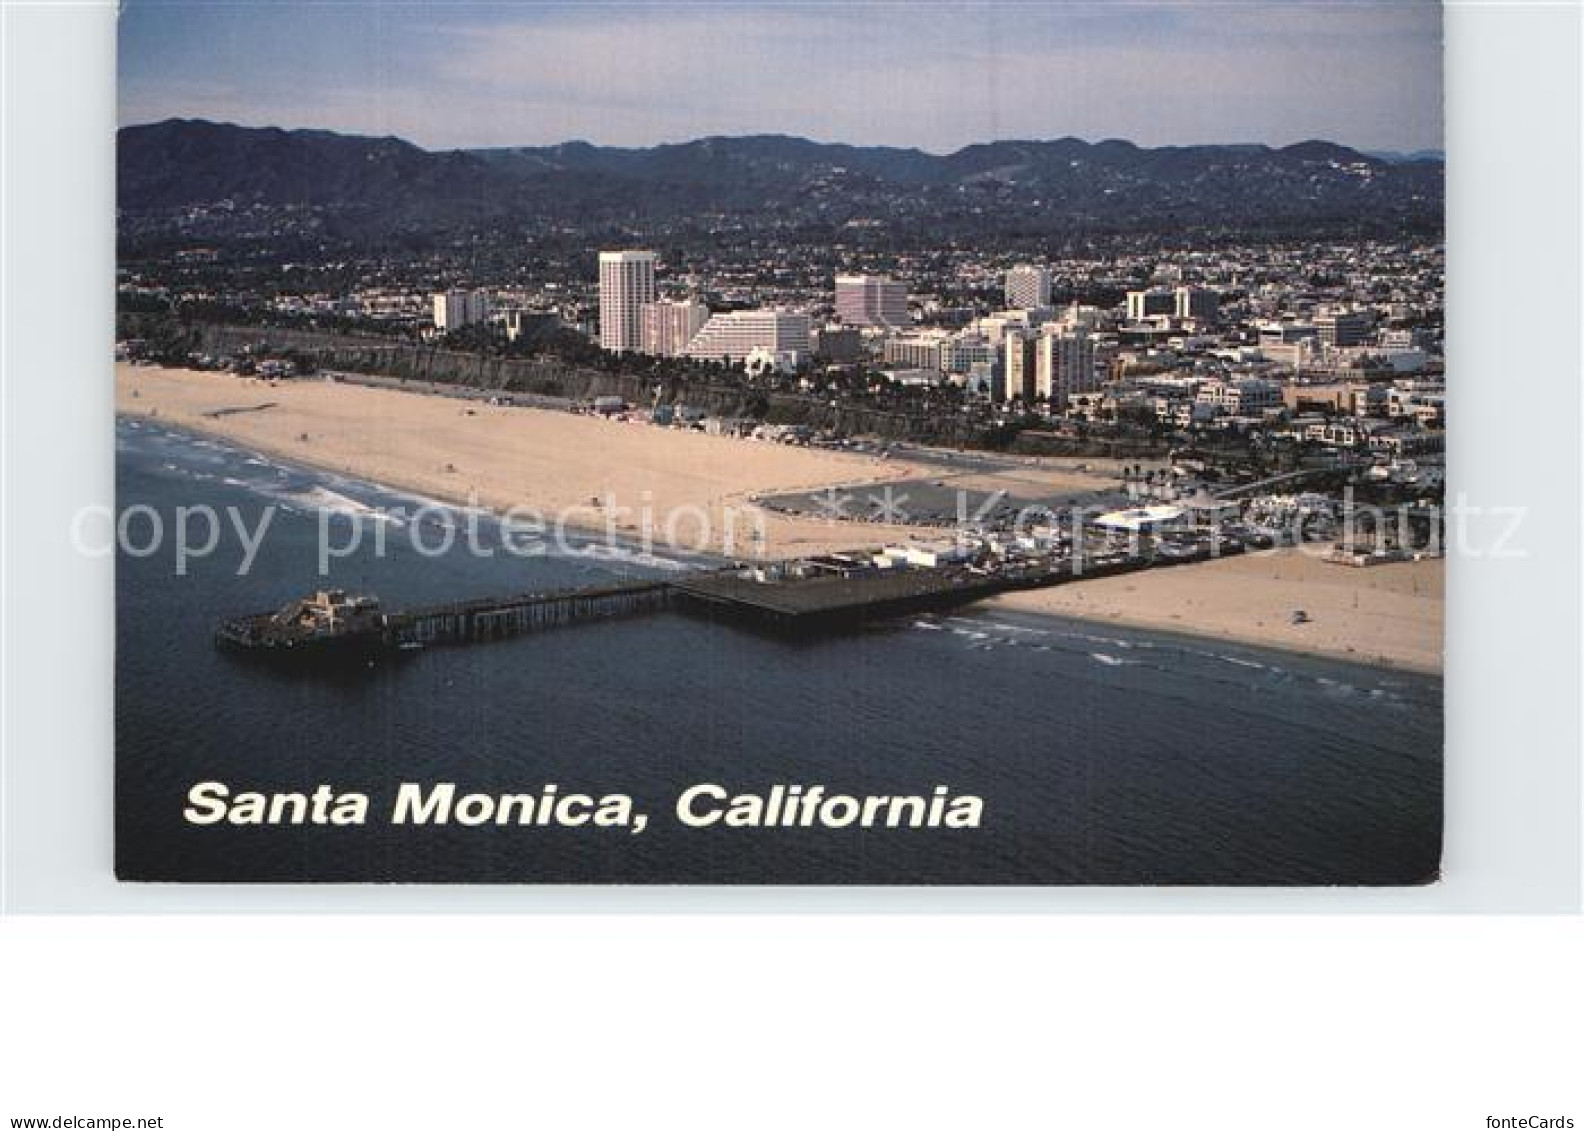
<point>732,336</point>
<point>1149,303</point>
<point>530,324</point>
<point>1020,366</point>
<point>1343,327</point>
<point>1197,302</point>
<point>962,352</point>
<point>914,351</point>
<point>1064,364</point>
<point>450,310</point>
<point>456,308</point>
<point>1028,287</point>
<point>626,282</point>
<point>840,344</point>
<point>871,300</point>
<point>669,325</point>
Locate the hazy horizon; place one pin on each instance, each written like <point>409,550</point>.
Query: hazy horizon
<point>791,137</point>
<point>928,76</point>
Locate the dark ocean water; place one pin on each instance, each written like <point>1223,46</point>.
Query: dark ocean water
<point>1103,755</point>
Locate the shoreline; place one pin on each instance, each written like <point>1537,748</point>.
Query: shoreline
<point>1387,616</point>
<point>1002,603</point>
<point>292,459</point>
<point>605,474</point>
<point>1186,636</point>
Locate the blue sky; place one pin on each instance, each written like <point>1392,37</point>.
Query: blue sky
<point>933,75</point>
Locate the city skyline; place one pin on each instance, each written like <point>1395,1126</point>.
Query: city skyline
<point>472,76</point>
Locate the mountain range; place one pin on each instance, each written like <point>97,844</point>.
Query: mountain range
<point>375,187</point>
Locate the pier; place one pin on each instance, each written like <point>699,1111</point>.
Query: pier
<point>832,602</point>
<point>468,622</point>
<point>785,597</point>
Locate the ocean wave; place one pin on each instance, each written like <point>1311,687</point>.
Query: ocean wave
<point>425,503</point>
<point>333,502</point>
<point>1020,629</point>
<point>623,554</point>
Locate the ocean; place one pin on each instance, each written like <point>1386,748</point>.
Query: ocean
<point>1102,755</point>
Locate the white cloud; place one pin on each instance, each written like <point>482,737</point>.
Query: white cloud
<point>935,77</point>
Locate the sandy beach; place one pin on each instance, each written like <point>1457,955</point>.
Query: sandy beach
<point>1390,615</point>
<point>601,474</point>
<point>597,473</point>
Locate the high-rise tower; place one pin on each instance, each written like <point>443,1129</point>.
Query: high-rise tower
<point>626,283</point>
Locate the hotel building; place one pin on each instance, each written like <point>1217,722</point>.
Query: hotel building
<point>626,283</point>
<point>667,326</point>
<point>1028,287</point>
<point>871,300</point>
<point>1020,366</point>
<point>1064,364</point>
<point>734,335</point>
<point>1149,303</point>
<point>455,309</point>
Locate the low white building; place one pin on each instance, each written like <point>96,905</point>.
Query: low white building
<point>761,361</point>
<point>1241,397</point>
<point>1141,520</point>
<point>929,554</point>
<point>915,351</point>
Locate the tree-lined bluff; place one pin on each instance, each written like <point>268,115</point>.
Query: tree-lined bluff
<point>420,364</point>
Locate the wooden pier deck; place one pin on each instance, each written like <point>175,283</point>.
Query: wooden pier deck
<point>830,601</point>
<point>495,618</point>
<point>818,602</point>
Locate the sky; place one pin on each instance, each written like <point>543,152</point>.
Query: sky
<point>932,75</point>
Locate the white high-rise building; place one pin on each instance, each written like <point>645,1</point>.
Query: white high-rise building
<point>736,334</point>
<point>1019,370</point>
<point>871,300</point>
<point>1028,287</point>
<point>960,353</point>
<point>1064,364</point>
<point>669,325</point>
<point>626,283</point>
<point>455,309</point>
